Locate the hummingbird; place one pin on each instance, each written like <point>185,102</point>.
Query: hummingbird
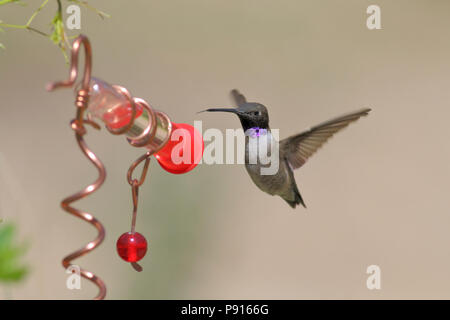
<point>293,152</point>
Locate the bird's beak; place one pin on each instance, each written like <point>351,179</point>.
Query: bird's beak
<point>232,110</point>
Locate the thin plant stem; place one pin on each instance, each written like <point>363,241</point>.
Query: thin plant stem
<point>86,5</point>
<point>24,26</point>
<point>36,12</point>
<point>27,25</point>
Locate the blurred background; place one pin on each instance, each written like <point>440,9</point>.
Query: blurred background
<point>377,193</point>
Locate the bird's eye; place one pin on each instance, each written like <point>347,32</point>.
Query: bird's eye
<point>257,113</point>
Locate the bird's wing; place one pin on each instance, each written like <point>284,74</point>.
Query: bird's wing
<point>298,148</point>
<point>238,97</point>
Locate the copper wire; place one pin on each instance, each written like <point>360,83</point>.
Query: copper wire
<point>78,126</point>
<point>73,73</point>
<point>135,184</point>
<point>133,166</point>
<point>65,204</point>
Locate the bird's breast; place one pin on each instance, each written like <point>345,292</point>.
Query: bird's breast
<point>261,148</point>
<point>263,164</point>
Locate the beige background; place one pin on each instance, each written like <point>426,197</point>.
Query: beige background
<point>376,194</point>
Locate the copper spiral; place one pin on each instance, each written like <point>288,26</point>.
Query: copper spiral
<point>79,128</point>
<point>65,204</point>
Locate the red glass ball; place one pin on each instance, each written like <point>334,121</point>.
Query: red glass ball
<point>183,151</point>
<point>131,247</point>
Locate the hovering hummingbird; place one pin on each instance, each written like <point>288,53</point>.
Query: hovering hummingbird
<point>293,151</point>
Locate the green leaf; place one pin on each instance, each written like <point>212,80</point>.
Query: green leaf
<point>13,275</point>
<point>10,268</point>
<point>57,35</point>
<point>6,234</point>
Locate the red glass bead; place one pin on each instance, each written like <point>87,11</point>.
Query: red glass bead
<point>183,151</point>
<point>131,247</point>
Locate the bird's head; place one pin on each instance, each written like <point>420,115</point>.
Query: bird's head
<point>251,115</point>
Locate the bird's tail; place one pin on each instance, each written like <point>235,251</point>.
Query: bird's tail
<point>297,199</point>
<point>294,198</point>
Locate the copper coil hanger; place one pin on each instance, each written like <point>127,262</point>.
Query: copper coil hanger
<point>78,126</point>
<point>144,127</point>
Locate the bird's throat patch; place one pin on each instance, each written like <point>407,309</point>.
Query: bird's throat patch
<point>256,132</point>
